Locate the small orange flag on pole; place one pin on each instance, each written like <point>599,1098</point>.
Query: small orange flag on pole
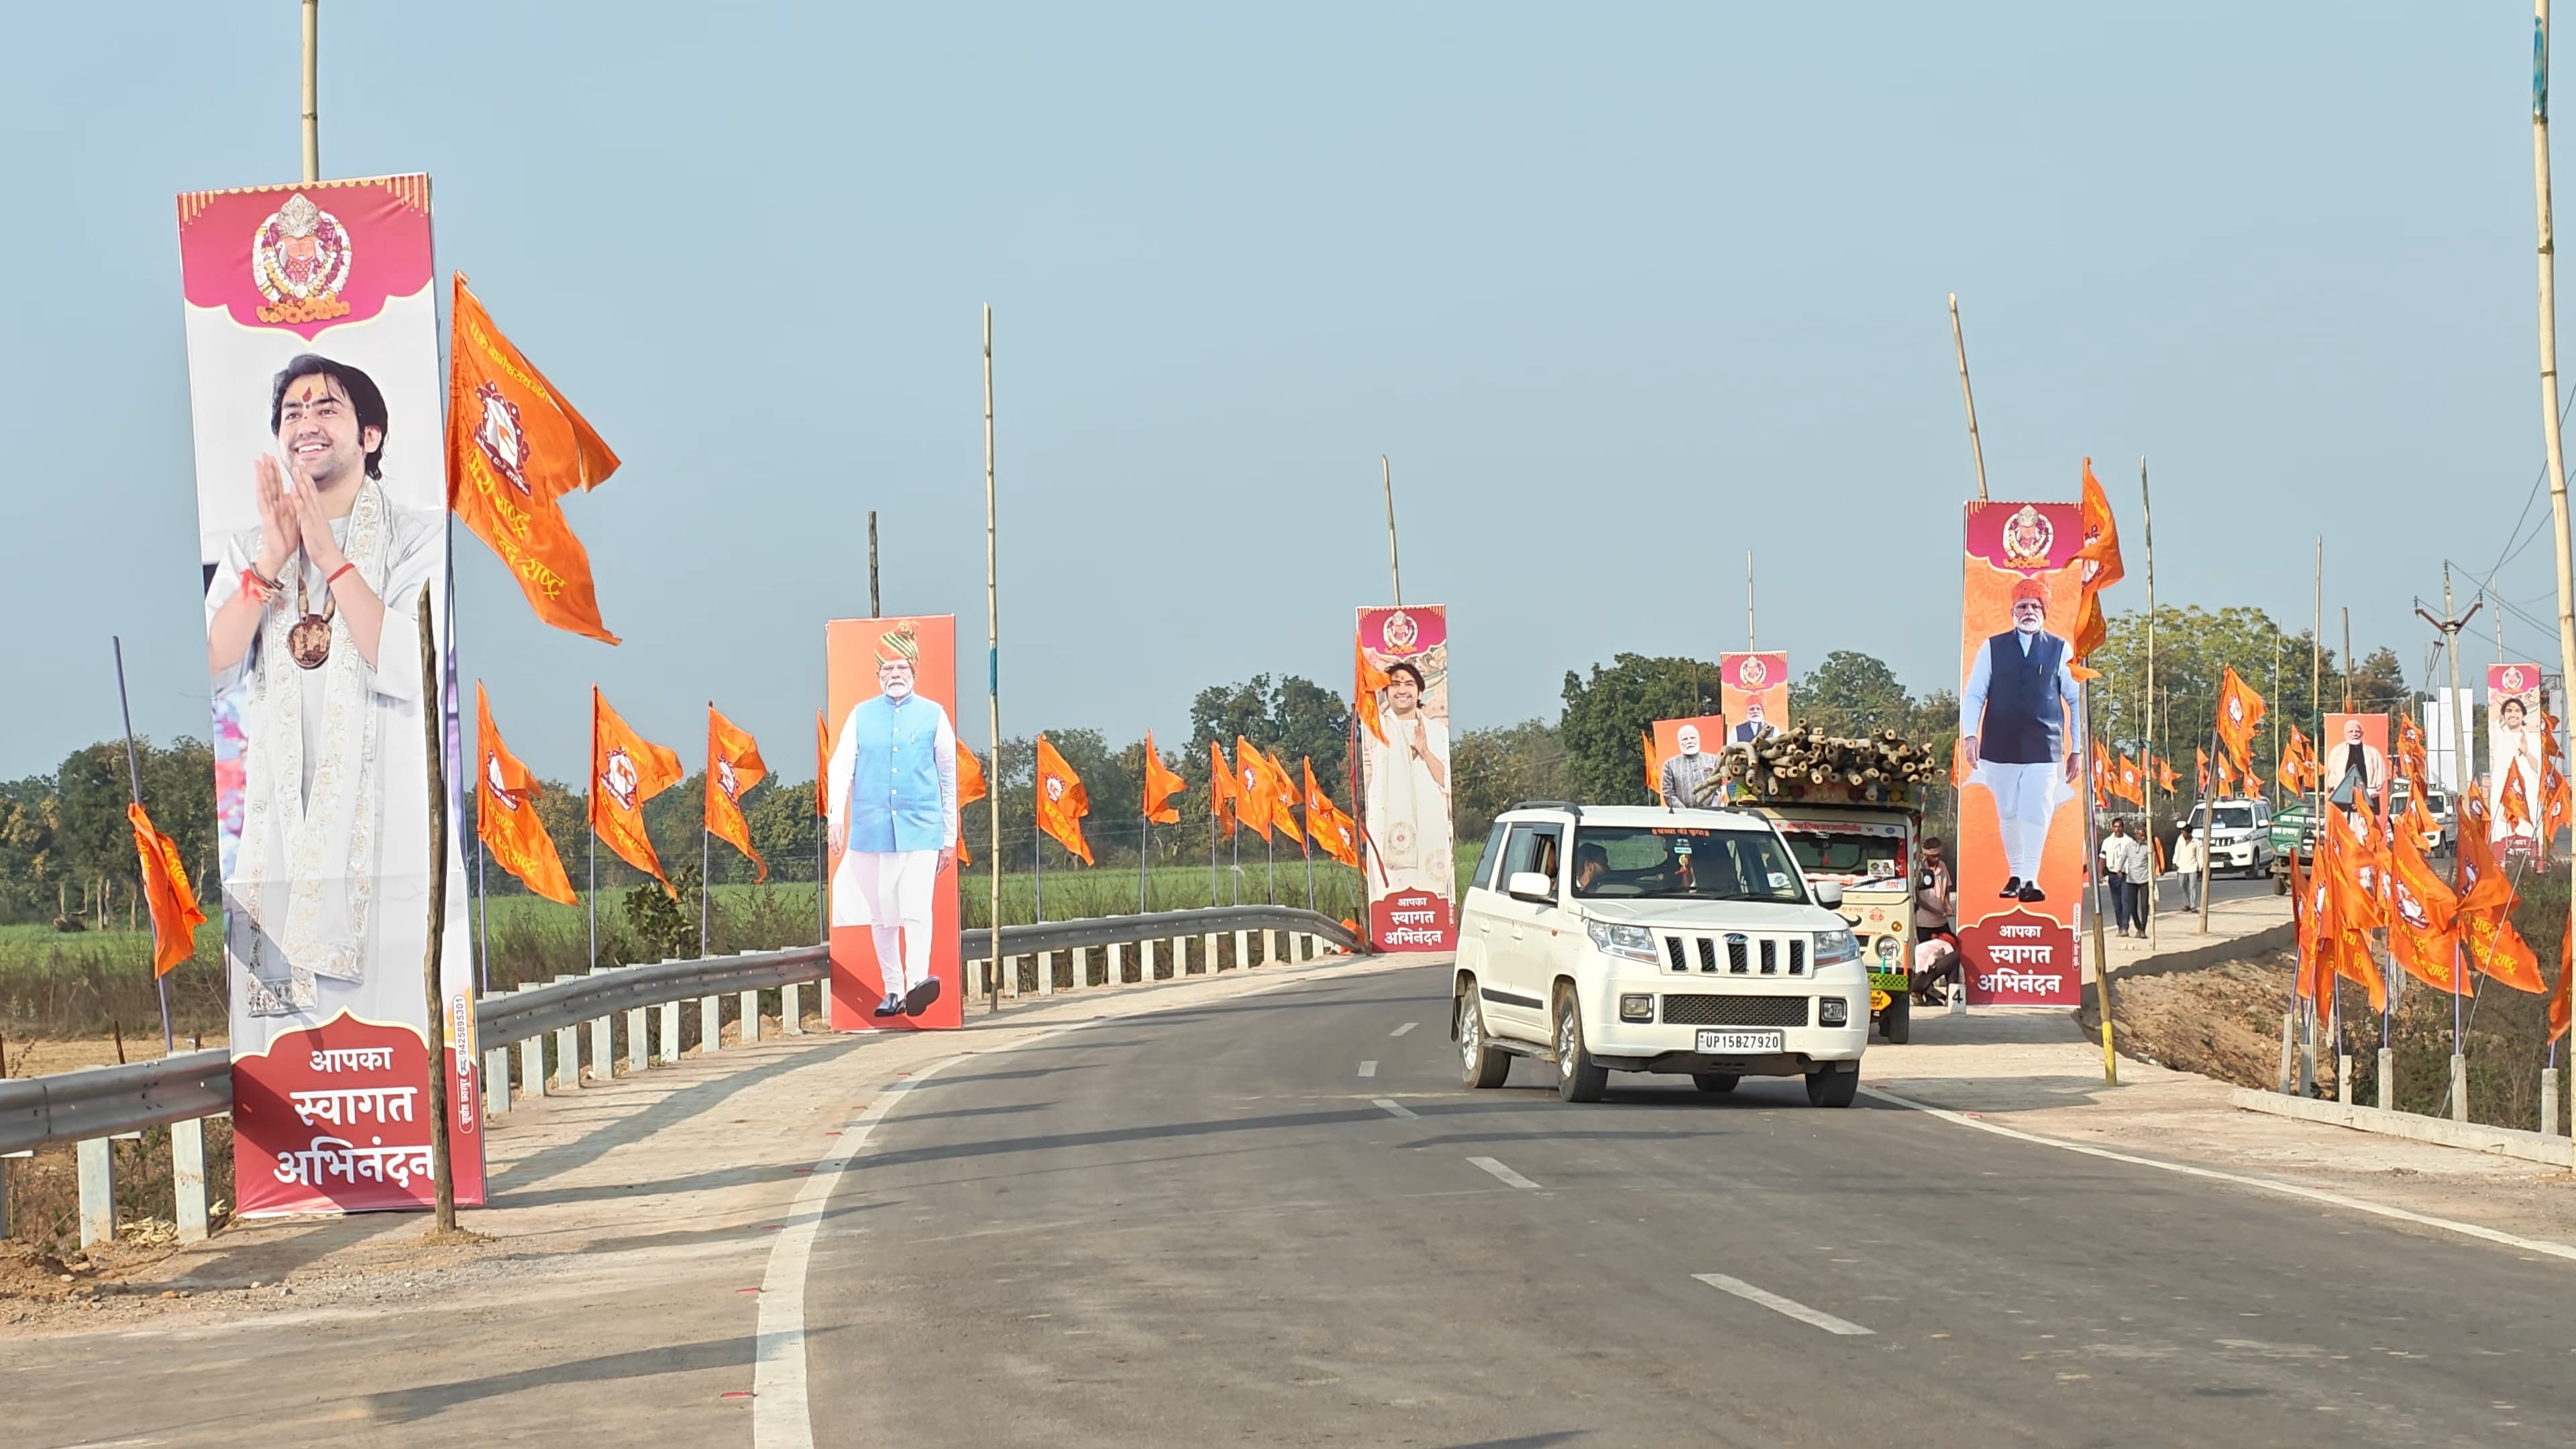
<point>1366,680</point>
<point>1251,792</point>
<point>2100,557</point>
<point>503,818</point>
<point>1330,828</point>
<point>2240,714</point>
<point>1061,801</point>
<point>1284,798</point>
<point>733,767</point>
<point>1220,787</point>
<point>175,912</point>
<point>971,787</point>
<point>625,771</point>
<point>1162,787</point>
<point>515,447</point>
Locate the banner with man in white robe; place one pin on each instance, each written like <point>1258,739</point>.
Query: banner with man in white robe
<point>314,385</point>
<point>1412,858</point>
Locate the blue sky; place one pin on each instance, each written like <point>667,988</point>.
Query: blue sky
<point>1624,291</point>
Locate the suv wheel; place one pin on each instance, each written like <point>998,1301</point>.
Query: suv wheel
<point>1578,1077</point>
<point>1832,1088</point>
<point>1481,1064</point>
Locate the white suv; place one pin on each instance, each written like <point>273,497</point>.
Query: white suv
<point>1636,939</point>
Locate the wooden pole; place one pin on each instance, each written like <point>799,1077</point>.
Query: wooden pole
<point>876,608</point>
<point>1749,645</point>
<point>312,91</point>
<point>1968,396</point>
<point>992,679</point>
<point>134,779</point>
<point>442,1169</point>
<point>2549,360</point>
<point>2147,525</point>
<point>1394,568</point>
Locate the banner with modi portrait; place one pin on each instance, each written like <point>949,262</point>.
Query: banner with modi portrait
<point>2020,870</point>
<point>891,803</point>
<point>1411,866</point>
<point>314,388</point>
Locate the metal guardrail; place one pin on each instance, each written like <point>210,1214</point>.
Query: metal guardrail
<point>100,1102</point>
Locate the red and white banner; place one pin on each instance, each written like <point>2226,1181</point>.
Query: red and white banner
<point>1753,693</point>
<point>314,386</point>
<point>1411,867</point>
<point>2516,727</point>
<point>2021,823</point>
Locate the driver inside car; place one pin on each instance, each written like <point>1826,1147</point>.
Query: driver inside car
<point>1591,863</point>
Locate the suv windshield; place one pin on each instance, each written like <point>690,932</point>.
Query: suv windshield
<point>2235,817</point>
<point>1684,862</point>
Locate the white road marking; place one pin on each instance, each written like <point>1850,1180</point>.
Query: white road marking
<point>2286,1189</point>
<point>1508,1177</point>
<point>1396,1109</point>
<point>1368,1069</point>
<point>1401,1030</point>
<point>1778,1304</point>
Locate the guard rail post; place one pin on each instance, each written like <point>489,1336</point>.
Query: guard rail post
<point>750,1015</point>
<point>97,1192</point>
<point>1180,957</point>
<point>670,1032</point>
<point>188,1178</point>
<point>568,1049</point>
<point>791,1002</point>
<point>1046,973</point>
<point>603,1055</point>
<point>710,1025</point>
<point>638,1057</point>
<point>496,1081</point>
<point>1081,966</point>
<point>1242,949</point>
<point>532,1055</point>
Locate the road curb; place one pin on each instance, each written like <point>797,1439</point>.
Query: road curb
<point>2496,1141</point>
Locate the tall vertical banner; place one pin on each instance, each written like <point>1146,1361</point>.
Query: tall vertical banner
<point>891,826</point>
<point>2354,761</point>
<point>314,386</point>
<point>1753,694</point>
<point>1685,761</point>
<point>1412,866</point>
<point>2516,725</point>
<point>2021,714</point>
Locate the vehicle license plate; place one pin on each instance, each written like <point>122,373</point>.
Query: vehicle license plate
<point>1715,1042</point>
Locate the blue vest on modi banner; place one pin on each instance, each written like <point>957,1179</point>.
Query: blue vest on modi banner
<point>894,776</point>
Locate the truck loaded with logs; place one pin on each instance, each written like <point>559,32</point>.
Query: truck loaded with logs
<point>1851,811</point>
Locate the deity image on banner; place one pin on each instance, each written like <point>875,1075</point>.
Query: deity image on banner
<point>315,393</point>
<point>1412,857</point>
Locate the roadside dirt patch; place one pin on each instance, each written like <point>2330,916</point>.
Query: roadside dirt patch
<point>2222,1022</point>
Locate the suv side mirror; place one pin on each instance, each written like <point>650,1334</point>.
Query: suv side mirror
<point>1829,895</point>
<point>1531,885</point>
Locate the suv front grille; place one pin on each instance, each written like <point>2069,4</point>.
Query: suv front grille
<point>1739,953</point>
<point>1710,1010</point>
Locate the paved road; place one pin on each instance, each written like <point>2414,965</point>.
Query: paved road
<point>1198,1228</point>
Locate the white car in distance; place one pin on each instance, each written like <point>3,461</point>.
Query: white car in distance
<point>1608,938</point>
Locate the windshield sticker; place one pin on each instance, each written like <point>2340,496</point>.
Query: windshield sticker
<point>1779,882</point>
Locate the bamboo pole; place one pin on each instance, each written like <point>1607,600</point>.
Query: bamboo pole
<point>312,91</point>
<point>992,680</point>
<point>2549,358</point>
<point>1749,645</point>
<point>1968,396</point>
<point>1394,567</point>
<point>876,607</point>
<point>442,1167</point>
<point>2147,525</point>
<point>134,779</point>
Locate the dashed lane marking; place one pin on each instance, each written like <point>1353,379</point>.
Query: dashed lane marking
<point>1504,1174</point>
<point>1368,1069</point>
<point>1401,1030</point>
<point>1777,1304</point>
<point>1395,1109</point>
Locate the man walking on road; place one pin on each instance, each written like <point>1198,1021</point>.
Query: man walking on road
<point>2188,858</point>
<point>2119,870</point>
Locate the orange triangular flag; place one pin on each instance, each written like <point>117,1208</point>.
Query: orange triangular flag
<point>504,819</point>
<point>1251,798</point>
<point>175,913</point>
<point>2100,557</point>
<point>515,446</point>
<point>971,787</point>
<point>1366,680</point>
<point>1221,787</point>
<point>1162,787</point>
<point>2423,925</point>
<point>2240,713</point>
<point>733,767</point>
<point>2558,1003</point>
<point>1061,801</point>
<point>625,771</point>
<point>2515,803</point>
<point>1326,823</point>
<point>822,765</point>
<point>1285,797</point>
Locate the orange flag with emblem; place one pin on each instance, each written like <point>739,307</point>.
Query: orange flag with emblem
<point>971,787</point>
<point>1366,680</point>
<point>515,447</point>
<point>626,770</point>
<point>1251,787</point>
<point>1220,787</point>
<point>2166,779</point>
<point>2515,805</point>
<point>2558,1002</point>
<point>2203,757</point>
<point>1328,825</point>
<point>175,912</point>
<point>2131,782</point>
<point>2423,924</point>
<point>1284,799</point>
<point>2100,557</point>
<point>503,819</point>
<point>1061,801</point>
<point>2347,908</point>
<point>2240,714</point>
<point>733,767</point>
<point>1162,787</point>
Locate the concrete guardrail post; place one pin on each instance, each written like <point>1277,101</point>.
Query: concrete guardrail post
<point>791,1008</point>
<point>750,1017</point>
<point>568,1050</point>
<point>1207,956</point>
<point>2548,1101</point>
<point>97,1192</point>
<point>532,1057</point>
<point>603,1052</point>
<point>1242,949</point>
<point>188,1178</point>
<point>496,1081</point>
<point>670,1031</point>
<point>1081,976</point>
<point>638,1053</point>
<point>1046,973</point>
<point>710,1025</point>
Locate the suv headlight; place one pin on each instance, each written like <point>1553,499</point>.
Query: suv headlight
<point>1634,942</point>
<point>1833,946</point>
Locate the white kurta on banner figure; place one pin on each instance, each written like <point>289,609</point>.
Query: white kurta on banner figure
<point>893,808</point>
<point>1408,785</point>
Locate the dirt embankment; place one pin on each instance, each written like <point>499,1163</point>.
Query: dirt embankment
<point>2222,1021</point>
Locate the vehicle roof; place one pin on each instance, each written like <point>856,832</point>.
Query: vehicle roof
<point>1642,815</point>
